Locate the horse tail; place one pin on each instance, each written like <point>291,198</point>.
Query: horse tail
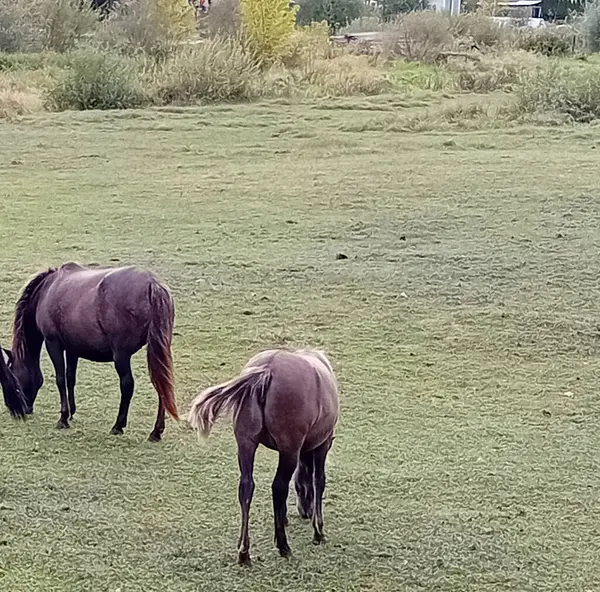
<point>13,395</point>
<point>160,333</point>
<point>228,397</point>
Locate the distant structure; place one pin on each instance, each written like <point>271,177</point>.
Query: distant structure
<point>451,6</point>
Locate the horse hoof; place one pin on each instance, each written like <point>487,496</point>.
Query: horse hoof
<point>117,431</point>
<point>154,437</point>
<point>244,559</point>
<point>285,552</point>
<point>318,539</point>
<point>62,425</point>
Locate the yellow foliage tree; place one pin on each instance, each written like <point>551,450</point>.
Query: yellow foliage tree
<point>176,17</point>
<point>268,26</point>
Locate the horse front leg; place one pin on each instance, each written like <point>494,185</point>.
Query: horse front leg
<point>57,356</point>
<point>72,361</point>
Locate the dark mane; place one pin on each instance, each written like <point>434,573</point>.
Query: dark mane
<point>21,327</point>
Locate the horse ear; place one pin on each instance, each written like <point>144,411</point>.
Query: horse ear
<point>7,356</point>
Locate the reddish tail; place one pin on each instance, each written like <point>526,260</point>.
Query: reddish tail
<point>160,333</point>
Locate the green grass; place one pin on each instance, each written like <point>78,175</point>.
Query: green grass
<point>463,327</point>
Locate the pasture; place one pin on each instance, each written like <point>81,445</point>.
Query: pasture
<point>463,325</point>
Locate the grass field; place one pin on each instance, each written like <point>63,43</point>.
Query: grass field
<point>464,328</point>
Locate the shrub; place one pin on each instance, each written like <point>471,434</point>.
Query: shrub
<point>35,25</point>
<point>548,41</point>
<point>337,13</point>
<point>222,20</point>
<point>560,89</point>
<point>490,73</point>
<point>65,22</point>
<point>480,30</point>
<point>17,97</point>
<point>308,44</point>
<point>146,26</point>
<point>345,75</point>
<point>216,70</point>
<point>268,26</point>
<point>422,37</point>
<point>98,82</point>
<point>590,26</point>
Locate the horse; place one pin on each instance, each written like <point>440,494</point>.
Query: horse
<point>98,314</point>
<point>287,401</point>
<point>14,398</point>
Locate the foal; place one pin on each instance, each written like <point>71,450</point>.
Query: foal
<point>288,402</point>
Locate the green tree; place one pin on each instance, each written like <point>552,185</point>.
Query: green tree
<point>268,25</point>
<point>337,13</point>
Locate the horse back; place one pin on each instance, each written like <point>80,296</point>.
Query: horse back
<point>95,311</point>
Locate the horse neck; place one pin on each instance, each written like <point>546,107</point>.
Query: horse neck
<point>28,339</point>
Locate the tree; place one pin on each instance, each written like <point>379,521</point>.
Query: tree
<point>391,8</point>
<point>337,13</point>
<point>268,25</point>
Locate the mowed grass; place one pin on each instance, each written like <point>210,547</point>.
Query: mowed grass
<point>463,325</point>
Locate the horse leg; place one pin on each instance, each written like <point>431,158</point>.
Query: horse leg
<point>159,426</point>
<point>71,380</point>
<point>281,484</point>
<point>320,454</point>
<point>304,484</point>
<point>57,356</point>
<point>123,368</point>
<point>246,453</point>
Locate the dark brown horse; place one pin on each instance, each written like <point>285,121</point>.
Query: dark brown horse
<point>288,402</point>
<point>98,314</point>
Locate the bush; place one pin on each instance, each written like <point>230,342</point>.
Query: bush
<point>17,97</point>
<point>36,25</point>
<point>563,90</point>
<point>268,26</point>
<point>222,20</point>
<point>65,22</point>
<point>419,36</point>
<point>337,13</point>
<point>481,31</point>
<point>216,70</point>
<point>152,27</point>
<point>308,44</point>
<point>493,72</point>
<point>548,41</point>
<point>590,26</point>
<point>98,82</point>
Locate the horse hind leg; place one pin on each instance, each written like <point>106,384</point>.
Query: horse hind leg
<point>288,462</point>
<point>304,485</point>
<point>126,383</point>
<point>57,356</point>
<point>320,455</point>
<point>246,453</point>
<point>71,380</point>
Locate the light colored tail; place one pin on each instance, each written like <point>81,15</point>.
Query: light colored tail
<point>228,397</point>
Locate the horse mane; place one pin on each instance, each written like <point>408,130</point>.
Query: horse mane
<point>21,327</point>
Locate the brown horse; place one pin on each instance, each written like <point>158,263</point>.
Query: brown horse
<point>288,402</point>
<point>98,314</point>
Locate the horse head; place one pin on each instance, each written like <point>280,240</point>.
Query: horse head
<point>14,397</point>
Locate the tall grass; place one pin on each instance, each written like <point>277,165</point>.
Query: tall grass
<point>572,93</point>
<point>215,70</point>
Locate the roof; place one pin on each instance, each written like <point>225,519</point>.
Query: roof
<point>518,3</point>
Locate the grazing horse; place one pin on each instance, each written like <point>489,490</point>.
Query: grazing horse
<point>13,395</point>
<point>288,402</point>
<point>98,314</point>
